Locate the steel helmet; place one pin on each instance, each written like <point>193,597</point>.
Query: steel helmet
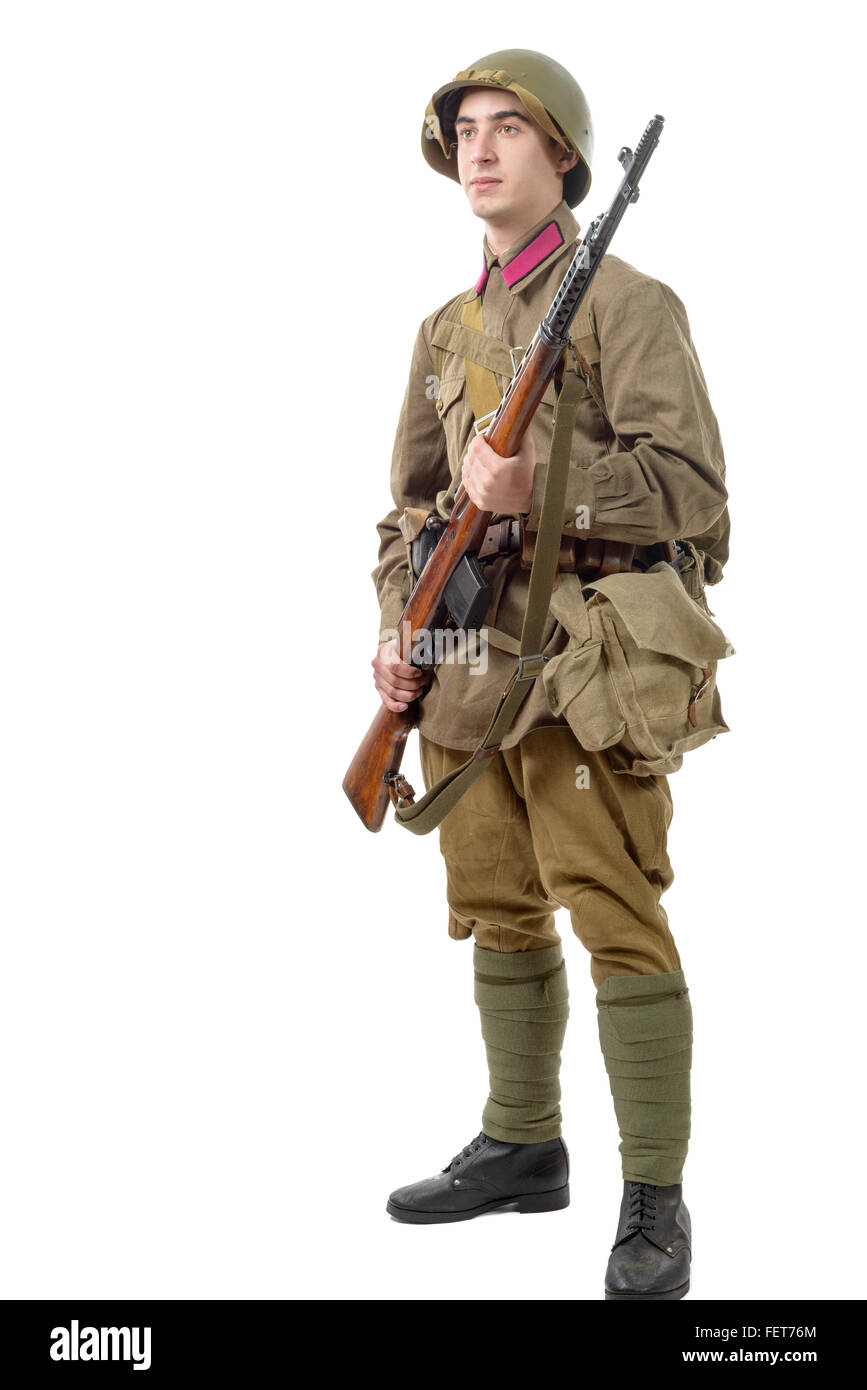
<point>550,94</point>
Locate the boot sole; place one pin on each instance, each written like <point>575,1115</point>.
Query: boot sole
<point>670,1294</point>
<point>528,1202</point>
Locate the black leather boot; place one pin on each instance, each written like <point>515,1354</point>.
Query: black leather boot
<point>486,1175</point>
<point>651,1252</point>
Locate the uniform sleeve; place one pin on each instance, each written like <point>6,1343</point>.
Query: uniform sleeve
<point>663,476</point>
<point>419,470</point>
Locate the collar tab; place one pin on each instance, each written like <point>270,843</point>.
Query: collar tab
<point>538,250</point>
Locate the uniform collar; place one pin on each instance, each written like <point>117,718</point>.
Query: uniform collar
<point>533,252</point>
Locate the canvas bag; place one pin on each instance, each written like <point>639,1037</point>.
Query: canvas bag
<point>638,675</point>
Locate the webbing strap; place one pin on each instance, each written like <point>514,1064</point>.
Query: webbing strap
<point>427,813</point>
<point>473,345</point>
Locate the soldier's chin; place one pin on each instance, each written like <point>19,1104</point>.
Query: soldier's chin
<point>483,203</point>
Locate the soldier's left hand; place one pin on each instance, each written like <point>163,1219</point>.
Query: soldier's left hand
<point>498,484</point>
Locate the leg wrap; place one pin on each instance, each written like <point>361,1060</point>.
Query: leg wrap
<point>523,1000</point>
<point>645,1029</point>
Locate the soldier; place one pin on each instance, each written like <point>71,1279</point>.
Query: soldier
<point>550,823</point>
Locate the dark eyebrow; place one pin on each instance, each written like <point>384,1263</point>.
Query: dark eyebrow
<point>497,116</point>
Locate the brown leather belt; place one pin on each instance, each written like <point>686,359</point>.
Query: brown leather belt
<point>590,557</point>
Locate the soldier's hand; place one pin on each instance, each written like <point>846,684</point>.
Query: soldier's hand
<point>497,484</point>
<point>397,682</point>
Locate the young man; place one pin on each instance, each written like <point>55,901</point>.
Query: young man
<point>529,835</point>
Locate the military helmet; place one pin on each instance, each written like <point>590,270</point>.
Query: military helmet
<point>550,94</point>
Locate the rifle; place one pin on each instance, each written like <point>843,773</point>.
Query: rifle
<point>373,777</point>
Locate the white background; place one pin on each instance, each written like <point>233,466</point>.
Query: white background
<point>232,1020</point>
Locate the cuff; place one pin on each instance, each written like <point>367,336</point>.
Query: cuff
<point>579,512</point>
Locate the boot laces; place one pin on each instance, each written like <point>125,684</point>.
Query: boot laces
<point>642,1207</point>
<point>471,1148</point>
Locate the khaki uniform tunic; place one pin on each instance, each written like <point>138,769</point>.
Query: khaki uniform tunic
<point>660,476</point>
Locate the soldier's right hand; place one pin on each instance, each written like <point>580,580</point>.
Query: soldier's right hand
<point>397,682</point>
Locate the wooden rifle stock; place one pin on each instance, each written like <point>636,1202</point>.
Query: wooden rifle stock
<point>380,753</point>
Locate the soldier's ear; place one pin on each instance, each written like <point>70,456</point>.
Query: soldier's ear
<point>567,161</point>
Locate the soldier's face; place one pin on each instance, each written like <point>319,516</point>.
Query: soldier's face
<point>507,165</point>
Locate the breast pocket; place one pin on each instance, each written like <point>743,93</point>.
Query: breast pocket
<point>451,389</point>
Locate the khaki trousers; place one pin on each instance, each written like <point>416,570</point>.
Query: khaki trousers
<point>549,824</point>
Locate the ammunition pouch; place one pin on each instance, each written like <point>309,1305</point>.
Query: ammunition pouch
<point>594,558</point>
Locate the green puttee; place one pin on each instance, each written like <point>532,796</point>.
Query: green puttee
<point>523,1000</point>
<point>645,1030</point>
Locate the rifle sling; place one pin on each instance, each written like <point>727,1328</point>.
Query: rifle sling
<point>424,815</point>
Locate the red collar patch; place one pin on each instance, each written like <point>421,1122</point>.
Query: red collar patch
<point>538,250</point>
